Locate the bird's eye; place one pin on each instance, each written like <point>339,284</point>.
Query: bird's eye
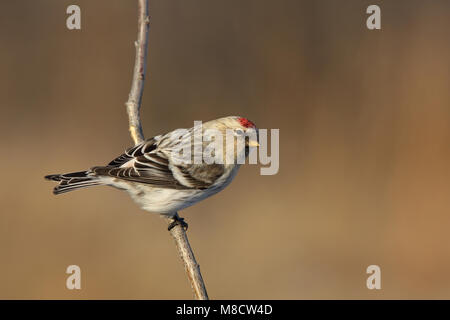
<point>239,132</point>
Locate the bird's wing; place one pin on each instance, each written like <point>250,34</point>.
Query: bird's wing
<point>150,163</point>
<point>135,151</point>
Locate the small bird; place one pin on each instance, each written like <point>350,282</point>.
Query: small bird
<point>152,173</point>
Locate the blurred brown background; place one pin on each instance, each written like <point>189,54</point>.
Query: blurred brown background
<point>364,119</point>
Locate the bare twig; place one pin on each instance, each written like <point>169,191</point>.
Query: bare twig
<point>133,104</point>
<point>137,86</point>
<point>191,266</point>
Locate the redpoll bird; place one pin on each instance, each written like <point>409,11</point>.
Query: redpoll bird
<point>155,176</point>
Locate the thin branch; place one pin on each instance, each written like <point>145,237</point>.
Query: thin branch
<point>137,86</point>
<point>133,104</point>
<point>191,266</point>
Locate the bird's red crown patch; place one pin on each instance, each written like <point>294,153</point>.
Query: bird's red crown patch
<point>246,123</point>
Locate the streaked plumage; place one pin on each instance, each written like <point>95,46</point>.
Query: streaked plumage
<point>154,178</point>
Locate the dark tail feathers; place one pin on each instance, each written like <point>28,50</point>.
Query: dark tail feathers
<point>73,181</point>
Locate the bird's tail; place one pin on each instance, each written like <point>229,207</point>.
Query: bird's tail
<point>73,181</point>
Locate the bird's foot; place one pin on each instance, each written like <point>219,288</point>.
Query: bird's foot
<point>177,221</point>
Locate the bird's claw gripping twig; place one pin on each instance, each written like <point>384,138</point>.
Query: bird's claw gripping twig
<point>176,220</point>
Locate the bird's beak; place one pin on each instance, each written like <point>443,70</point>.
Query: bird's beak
<point>253,143</point>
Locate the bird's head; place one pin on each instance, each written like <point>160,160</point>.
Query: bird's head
<point>240,126</point>
<point>245,135</point>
